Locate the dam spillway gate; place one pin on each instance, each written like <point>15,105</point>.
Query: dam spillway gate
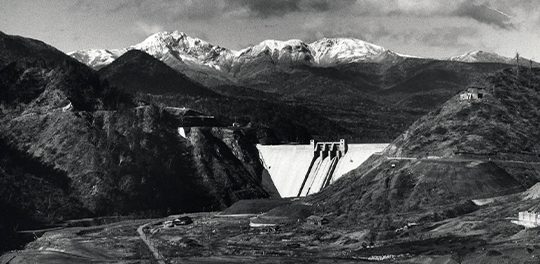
<point>300,170</point>
<point>326,156</point>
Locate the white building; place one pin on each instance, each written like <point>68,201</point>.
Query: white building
<point>528,219</point>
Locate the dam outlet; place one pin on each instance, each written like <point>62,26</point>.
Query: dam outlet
<point>301,170</point>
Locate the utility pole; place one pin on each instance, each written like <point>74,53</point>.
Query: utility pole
<point>517,64</point>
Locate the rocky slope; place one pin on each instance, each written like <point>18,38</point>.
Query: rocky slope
<point>94,153</point>
<point>466,149</point>
<point>502,121</point>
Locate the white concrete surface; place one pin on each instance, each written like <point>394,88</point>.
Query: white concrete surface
<point>323,175</point>
<point>288,165</point>
<point>315,171</point>
<point>356,155</point>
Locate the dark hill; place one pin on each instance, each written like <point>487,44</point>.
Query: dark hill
<point>21,50</point>
<point>503,121</point>
<point>136,71</point>
<point>73,146</point>
<point>361,102</point>
<point>375,101</point>
<point>466,149</point>
<point>31,69</point>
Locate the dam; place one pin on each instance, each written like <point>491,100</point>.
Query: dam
<point>301,170</point>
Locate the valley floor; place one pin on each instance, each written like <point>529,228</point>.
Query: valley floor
<point>474,238</point>
<point>114,243</point>
<point>484,236</point>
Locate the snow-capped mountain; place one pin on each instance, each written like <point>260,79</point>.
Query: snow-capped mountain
<point>289,52</point>
<point>97,58</point>
<point>185,48</point>
<point>176,47</point>
<point>161,45</point>
<point>332,51</point>
<point>482,56</point>
<point>215,65</point>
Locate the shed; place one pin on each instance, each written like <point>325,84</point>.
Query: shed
<point>317,220</point>
<point>184,220</point>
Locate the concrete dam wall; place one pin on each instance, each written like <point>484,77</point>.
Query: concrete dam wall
<point>300,170</point>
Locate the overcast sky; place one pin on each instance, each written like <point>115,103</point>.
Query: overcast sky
<point>430,28</point>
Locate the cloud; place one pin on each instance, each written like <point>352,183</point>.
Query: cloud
<point>148,29</point>
<point>280,8</point>
<point>126,5</point>
<point>265,9</point>
<point>486,14</point>
<point>497,13</point>
<point>457,37</point>
<point>207,9</point>
<point>370,33</point>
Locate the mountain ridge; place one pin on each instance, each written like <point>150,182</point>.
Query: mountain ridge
<point>325,52</point>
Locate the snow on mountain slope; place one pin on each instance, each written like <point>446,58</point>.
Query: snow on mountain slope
<point>482,56</point>
<point>185,48</point>
<point>97,58</point>
<point>332,51</point>
<point>195,52</point>
<point>283,53</point>
<point>185,53</point>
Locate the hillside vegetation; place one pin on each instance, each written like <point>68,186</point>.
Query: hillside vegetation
<point>360,102</point>
<point>373,102</point>
<point>74,146</point>
<point>276,119</point>
<point>503,121</point>
<point>465,149</point>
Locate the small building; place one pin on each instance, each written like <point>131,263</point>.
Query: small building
<point>184,220</point>
<point>533,218</point>
<point>472,93</point>
<point>317,220</point>
<point>528,219</point>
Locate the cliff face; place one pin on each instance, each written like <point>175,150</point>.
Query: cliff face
<point>228,163</point>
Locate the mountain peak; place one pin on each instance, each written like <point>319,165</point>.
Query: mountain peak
<point>332,51</point>
<point>162,43</point>
<point>481,56</point>
<point>277,46</point>
<point>96,58</point>
<point>346,41</point>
